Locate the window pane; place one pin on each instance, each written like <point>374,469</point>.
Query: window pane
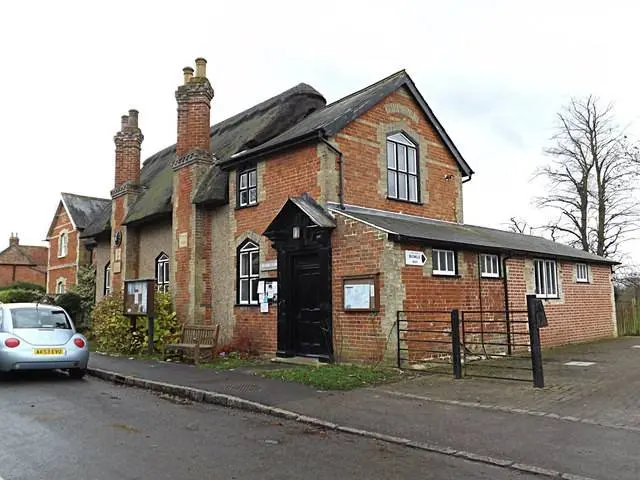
<point>392,183</point>
<point>402,158</point>
<point>243,181</point>
<point>244,198</point>
<point>391,155</point>
<point>538,278</point>
<point>413,168</point>
<point>254,290</point>
<point>244,291</point>
<point>413,188</point>
<point>252,195</point>
<point>402,186</point>
<point>553,288</point>
<point>253,176</point>
<point>166,272</point>
<point>450,262</point>
<point>494,262</point>
<point>244,264</point>
<point>255,263</point>
<point>434,260</point>
<point>443,260</point>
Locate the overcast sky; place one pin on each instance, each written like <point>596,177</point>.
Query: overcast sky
<point>494,73</point>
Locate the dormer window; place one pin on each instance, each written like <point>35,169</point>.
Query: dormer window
<point>402,168</point>
<point>248,187</point>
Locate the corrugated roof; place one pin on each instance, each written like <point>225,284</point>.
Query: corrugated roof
<point>335,116</point>
<point>410,228</point>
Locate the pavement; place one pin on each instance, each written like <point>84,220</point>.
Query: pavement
<point>583,424</point>
<point>58,428</point>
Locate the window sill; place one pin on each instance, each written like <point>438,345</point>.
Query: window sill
<point>491,277</point>
<point>242,207</point>
<point>445,275</point>
<point>248,305</point>
<point>583,282</point>
<point>544,297</point>
<point>404,201</point>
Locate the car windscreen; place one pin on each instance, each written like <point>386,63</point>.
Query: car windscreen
<point>32,317</point>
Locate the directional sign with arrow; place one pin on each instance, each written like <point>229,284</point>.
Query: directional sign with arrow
<point>414,257</point>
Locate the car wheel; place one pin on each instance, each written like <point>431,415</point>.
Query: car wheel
<point>77,373</point>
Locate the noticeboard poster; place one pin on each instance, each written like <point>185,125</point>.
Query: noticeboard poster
<point>138,298</point>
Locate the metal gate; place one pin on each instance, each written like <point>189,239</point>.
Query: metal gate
<point>493,344</point>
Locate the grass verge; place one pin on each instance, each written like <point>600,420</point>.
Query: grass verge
<point>335,377</point>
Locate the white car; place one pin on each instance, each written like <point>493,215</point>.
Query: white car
<point>40,337</point>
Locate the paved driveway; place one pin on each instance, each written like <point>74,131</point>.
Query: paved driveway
<point>607,392</point>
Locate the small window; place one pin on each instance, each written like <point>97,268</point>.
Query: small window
<point>402,168</point>
<point>582,273</point>
<point>546,278</point>
<point>63,244</point>
<point>444,262</point>
<point>60,286</point>
<point>489,266</point>
<point>162,272</point>
<point>248,187</point>
<point>248,273</point>
<point>107,279</point>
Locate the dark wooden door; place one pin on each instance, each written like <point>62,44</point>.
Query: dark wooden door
<point>309,306</point>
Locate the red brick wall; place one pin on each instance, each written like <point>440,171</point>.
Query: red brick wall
<point>288,175</point>
<point>363,143</point>
<point>65,267</point>
<point>356,250</point>
<point>21,273</point>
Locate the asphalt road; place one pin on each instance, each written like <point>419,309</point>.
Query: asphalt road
<point>57,428</point>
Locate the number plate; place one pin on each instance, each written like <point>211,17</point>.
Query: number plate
<point>48,351</point>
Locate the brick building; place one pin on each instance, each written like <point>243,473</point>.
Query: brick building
<point>309,225</point>
<point>22,263</point>
<point>67,251</point>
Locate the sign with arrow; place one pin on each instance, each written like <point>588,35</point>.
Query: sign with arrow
<point>414,257</point>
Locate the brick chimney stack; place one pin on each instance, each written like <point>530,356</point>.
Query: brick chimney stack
<point>191,229</point>
<point>14,240</point>
<point>124,241</point>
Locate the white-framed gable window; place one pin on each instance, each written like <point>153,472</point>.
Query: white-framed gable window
<point>63,244</point>
<point>582,273</point>
<point>443,262</point>
<point>107,279</point>
<point>60,286</point>
<point>162,272</point>
<point>489,265</point>
<point>546,278</point>
<point>248,273</point>
<point>402,168</point>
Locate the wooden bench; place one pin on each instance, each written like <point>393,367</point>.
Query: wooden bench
<point>196,342</point>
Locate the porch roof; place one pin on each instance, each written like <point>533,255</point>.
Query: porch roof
<point>412,229</point>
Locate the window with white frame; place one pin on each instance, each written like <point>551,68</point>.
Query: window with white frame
<point>63,244</point>
<point>60,286</point>
<point>107,279</point>
<point>162,272</point>
<point>402,168</point>
<point>248,187</point>
<point>546,278</point>
<point>248,273</point>
<point>444,262</point>
<point>582,273</point>
<point>490,266</point>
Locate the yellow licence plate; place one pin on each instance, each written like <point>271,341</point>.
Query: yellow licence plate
<point>48,351</point>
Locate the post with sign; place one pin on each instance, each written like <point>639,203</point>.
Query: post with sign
<point>139,302</point>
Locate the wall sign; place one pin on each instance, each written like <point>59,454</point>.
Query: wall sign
<point>269,265</point>
<point>360,293</point>
<point>414,257</point>
<point>183,240</point>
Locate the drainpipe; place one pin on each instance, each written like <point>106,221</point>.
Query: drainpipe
<point>341,163</point>
<point>506,301</point>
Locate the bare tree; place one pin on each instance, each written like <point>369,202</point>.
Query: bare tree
<point>590,178</point>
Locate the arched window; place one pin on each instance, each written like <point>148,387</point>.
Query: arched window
<point>248,270</point>
<point>63,244</point>
<point>162,272</point>
<point>60,286</point>
<point>402,168</point>
<point>107,279</point>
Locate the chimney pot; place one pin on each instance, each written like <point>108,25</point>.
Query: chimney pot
<point>201,67</point>
<point>124,121</point>
<point>188,74</point>
<point>133,118</point>
<point>13,239</point>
